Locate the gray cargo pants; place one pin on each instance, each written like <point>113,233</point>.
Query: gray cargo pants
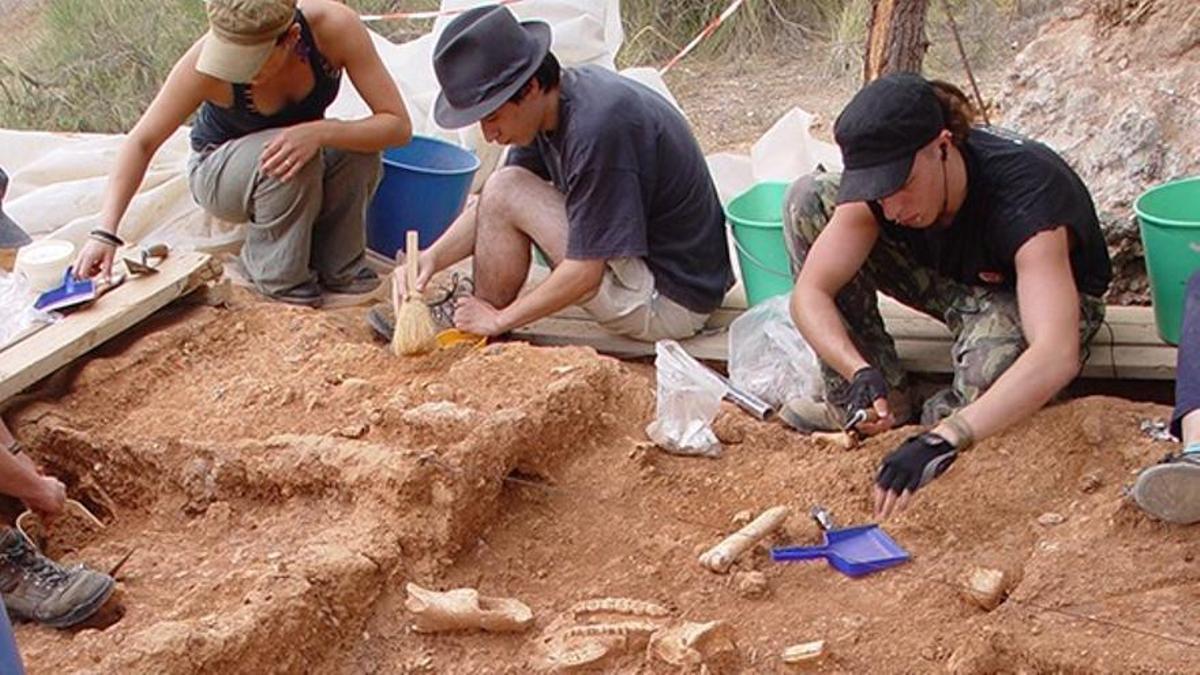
<point>309,229</point>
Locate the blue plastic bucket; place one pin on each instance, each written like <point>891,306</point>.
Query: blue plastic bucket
<point>424,187</point>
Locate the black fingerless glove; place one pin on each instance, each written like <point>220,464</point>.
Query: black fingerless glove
<point>917,461</point>
<point>867,386</point>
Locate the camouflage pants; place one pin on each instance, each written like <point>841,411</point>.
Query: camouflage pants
<point>985,322</point>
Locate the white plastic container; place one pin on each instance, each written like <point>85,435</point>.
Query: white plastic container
<point>44,262</point>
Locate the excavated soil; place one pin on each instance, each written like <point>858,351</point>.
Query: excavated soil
<point>279,477</point>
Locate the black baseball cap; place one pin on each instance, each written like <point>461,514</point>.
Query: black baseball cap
<point>881,130</point>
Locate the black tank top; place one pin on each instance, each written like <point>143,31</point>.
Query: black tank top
<point>215,125</point>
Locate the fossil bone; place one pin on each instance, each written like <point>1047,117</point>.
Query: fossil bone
<point>720,557</point>
<point>463,609</point>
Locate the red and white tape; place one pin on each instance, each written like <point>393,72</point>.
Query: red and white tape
<point>414,16</point>
<point>702,35</point>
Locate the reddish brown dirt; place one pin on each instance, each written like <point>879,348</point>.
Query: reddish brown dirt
<point>281,477</point>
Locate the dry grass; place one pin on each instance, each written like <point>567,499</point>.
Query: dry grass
<point>94,65</point>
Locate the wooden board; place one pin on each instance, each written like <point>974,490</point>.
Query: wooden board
<point>1127,346</point>
<point>38,355</point>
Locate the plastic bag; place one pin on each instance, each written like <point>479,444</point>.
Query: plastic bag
<point>689,396</point>
<point>17,314</point>
<point>769,358</point>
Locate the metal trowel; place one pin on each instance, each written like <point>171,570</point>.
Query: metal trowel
<point>138,261</point>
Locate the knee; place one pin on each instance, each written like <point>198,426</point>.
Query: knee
<point>808,206</point>
<point>275,194</point>
<point>502,191</point>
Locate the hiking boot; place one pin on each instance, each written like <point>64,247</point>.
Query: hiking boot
<point>37,589</point>
<point>382,316</point>
<point>364,281</point>
<point>1170,490</point>
<point>807,415</point>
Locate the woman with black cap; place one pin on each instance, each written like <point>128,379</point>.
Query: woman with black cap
<point>989,232</point>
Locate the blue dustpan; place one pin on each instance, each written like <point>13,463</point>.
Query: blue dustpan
<point>853,551</point>
<point>72,293</point>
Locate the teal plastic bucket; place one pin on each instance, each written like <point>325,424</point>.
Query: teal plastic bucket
<point>756,218</point>
<point>1169,216</point>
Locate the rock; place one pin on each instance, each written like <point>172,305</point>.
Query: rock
<point>1090,482</point>
<point>803,653</point>
<point>1051,518</point>
<point>752,584</point>
<point>1093,430</point>
<point>691,644</point>
<point>352,431</point>
<point>729,428</point>
<point>743,518</point>
<point>985,587</point>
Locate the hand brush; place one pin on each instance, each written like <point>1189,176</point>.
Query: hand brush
<point>415,332</point>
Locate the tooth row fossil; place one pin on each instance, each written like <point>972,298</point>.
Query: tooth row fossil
<point>619,628</point>
<point>619,606</point>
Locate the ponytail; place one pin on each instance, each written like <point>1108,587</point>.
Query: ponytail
<point>956,110</point>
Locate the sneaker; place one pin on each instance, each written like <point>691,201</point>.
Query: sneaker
<point>1170,490</point>
<point>806,415</point>
<point>364,281</point>
<point>382,316</point>
<point>307,294</point>
<point>37,589</point>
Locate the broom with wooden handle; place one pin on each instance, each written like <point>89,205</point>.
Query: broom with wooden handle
<point>415,332</point>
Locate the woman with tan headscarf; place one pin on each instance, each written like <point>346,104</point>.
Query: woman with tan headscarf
<point>263,152</point>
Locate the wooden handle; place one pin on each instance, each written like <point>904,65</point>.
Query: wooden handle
<point>411,252</point>
<point>156,251</point>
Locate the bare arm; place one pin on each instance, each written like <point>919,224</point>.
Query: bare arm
<point>568,283</point>
<point>179,97</point>
<point>1049,307</point>
<point>345,41</point>
<point>183,92</point>
<point>835,257</point>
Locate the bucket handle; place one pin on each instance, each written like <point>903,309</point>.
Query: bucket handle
<point>758,263</point>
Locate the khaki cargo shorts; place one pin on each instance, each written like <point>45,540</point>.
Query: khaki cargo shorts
<point>628,304</point>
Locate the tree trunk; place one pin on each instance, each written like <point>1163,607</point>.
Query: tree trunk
<point>895,38</point>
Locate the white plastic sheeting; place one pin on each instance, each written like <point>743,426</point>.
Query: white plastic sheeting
<point>58,179</point>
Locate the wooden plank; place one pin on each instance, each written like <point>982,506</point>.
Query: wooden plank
<point>56,345</point>
<point>921,355</point>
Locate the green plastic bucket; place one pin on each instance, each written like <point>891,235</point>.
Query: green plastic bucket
<point>1169,216</point>
<point>756,218</point>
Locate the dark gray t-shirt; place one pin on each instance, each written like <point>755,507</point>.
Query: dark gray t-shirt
<point>636,185</point>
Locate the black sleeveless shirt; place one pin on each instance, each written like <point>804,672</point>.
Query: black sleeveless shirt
<point>1016,188</point>
<point>215,125</point>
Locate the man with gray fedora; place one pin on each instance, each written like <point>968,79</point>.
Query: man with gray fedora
<point>605,178</point>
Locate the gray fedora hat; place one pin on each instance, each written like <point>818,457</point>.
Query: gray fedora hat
<point>11,236</point>
<point>484,57</point>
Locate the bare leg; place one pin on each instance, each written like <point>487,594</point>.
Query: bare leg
<point>516,207</point>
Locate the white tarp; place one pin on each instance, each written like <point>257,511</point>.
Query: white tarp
<point>57,180</point>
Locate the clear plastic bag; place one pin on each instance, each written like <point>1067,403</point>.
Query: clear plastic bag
<point>769,358</point>
<point>689,396</point>
<point>17,314</point>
